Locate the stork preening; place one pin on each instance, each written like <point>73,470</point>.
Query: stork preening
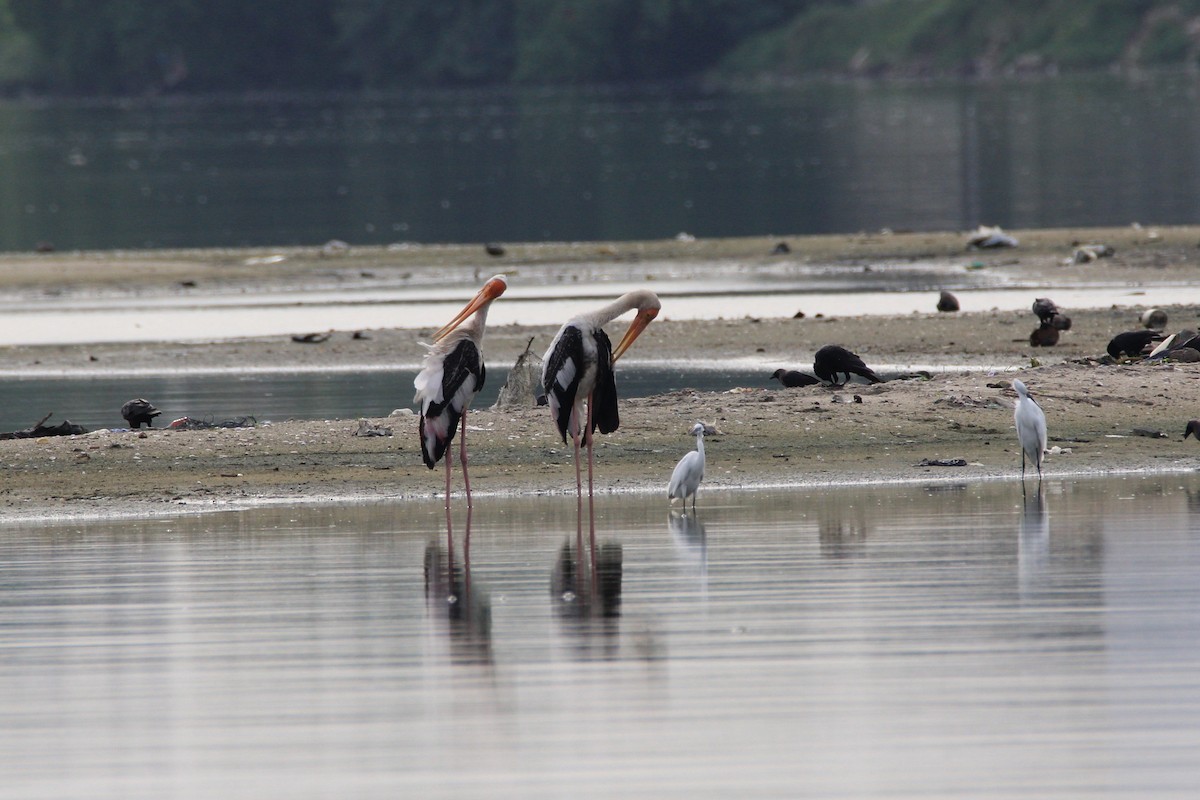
<point>453,373</point>
<point>685,480</point>
<point>1031,428</point>
<point>577,374</point>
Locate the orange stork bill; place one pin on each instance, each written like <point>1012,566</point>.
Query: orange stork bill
<point>578,369</point>
<point>453,373</point>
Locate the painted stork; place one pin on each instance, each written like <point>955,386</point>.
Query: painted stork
<point>577,369</point>
<point>452,374</point>
<point>1031,428</point>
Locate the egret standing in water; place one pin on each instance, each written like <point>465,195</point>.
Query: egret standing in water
<point>685,480</point>
<point>452,375</point>
<point>578,369</point>
<point>1031,428</point>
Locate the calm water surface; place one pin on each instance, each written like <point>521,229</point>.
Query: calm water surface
<point>94,400</point>
<point>609,164</point>
<point>940,641</point>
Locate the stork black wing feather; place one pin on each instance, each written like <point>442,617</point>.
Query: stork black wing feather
<point>605,414</point>
<point>459,364</point>
<point>567,353</point>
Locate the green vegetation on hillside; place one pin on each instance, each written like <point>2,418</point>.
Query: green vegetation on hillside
<point>961,37</point>
<point>101,47</point>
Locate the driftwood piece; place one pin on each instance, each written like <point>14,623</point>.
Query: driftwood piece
<point>40,428</point>
<point>311,338</point>
<point>194,424</point>
<point>523,384</point>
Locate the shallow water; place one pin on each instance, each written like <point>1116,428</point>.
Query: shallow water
<point>934,641</point>
<point>94,399</point>
<point>599,164</point>
<point>208,318</point>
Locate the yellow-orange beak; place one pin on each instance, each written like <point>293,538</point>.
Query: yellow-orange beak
<point>643,318</point>
<point>490,291</point>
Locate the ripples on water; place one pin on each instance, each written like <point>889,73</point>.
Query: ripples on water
<point>944,641</point>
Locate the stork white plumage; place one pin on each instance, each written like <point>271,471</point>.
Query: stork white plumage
<point>1031,428</point>
<point>577,370</point>
<point>453,373</point>
<point>685,480</point>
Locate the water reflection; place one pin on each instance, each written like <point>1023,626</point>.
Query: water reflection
<point>459,604</point>
<point>94,400</point>
<point>842,531</point>
<point>575,165</point>
<point>585,590</point>
<point>1050,640</point>
<point>1033,540</point>
<point>690,536</point>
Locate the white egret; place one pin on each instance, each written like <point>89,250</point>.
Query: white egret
<point>685,480</point>
<point>1031,428</point>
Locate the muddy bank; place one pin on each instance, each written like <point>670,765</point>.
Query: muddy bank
<point>1102,418</point>
<point>1162,254</point>
<point>1099,415</point>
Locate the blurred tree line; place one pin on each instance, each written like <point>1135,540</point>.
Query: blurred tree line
<point>140,46</point>
<point>92,47</point>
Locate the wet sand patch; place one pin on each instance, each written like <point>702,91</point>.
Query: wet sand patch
<point>770,436</point>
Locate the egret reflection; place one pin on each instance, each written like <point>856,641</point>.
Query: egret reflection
<point>1033,540</point>
<point>689,535</point>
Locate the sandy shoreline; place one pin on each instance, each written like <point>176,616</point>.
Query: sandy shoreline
<point>770,436</point>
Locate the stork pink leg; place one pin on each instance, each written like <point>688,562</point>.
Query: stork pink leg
<point>588,437</point>
<point>449,458</point>
<point>462,457</point>
<point>578,489</point>
<point>578,479</point>
<point>467,546</point>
